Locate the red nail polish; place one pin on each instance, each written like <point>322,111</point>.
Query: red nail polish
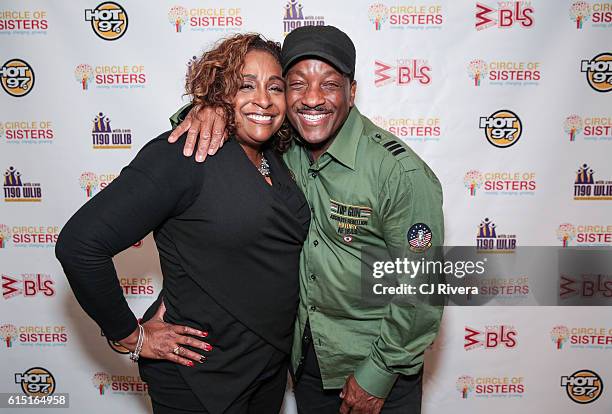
<point>203,334</point>
<point>190,363</point>
<point>209,348</point>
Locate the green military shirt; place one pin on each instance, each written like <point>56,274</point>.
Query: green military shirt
<point>367,189</point>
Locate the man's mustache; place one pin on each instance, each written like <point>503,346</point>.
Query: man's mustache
<point>318,108</point>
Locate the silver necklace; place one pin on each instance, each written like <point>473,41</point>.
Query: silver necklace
<point>264,167</point>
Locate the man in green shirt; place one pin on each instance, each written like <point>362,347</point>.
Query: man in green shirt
<point>366,188</point>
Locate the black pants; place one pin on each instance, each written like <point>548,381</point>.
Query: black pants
<point>265,395</point>
<point>311,398</point>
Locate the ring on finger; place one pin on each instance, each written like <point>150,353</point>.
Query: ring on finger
<point>177,350</point>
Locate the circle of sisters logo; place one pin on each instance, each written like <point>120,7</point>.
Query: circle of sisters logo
<point>101,381</point>
<point>580,11</point>
<point>566,233</point>
<point>583,386</point>
<point>573,126</point>
<point>559,335</point>
<point>17,77</point>
<point>84,74</point>
<point>478,69</point>
<point>587,188</point>
<point>177,16</point>
<point>36,382</point>
<point>598,72</point>
<point>8,334</point>
<point>473,180</point>
<point>502,128</point>
<point>465,385</point>
<point>5,235</point>
<point>488,241</point>
<point>109,20</point>
<point>89,183</point>
<point>378,14</point>
<point>419,237</point>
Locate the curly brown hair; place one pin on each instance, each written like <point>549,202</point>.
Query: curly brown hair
<point>214,79</point>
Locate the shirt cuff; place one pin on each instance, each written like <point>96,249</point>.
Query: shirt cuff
<point>374,380</point>
<point>179,116</point>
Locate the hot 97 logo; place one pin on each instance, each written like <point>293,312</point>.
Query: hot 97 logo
<point>109,20</point>
<point>502,128</point>
<point>17,77</point>
<point>598,72</point>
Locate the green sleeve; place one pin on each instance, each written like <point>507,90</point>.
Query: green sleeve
<point>408,198</point>
<point>179,116</point>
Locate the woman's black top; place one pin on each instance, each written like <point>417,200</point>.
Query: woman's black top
<point>229,246</point>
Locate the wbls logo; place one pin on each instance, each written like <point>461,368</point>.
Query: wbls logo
<point>414,16</point>
<point>491,337</point>
<point>503,73</point>
<point>488,241</point>
<point>294,17</point>
<point>205,19</point>
<point>36,382</point>
<point>111,76</point>
<point>500,183</point>
<point>23,22</point>
<point>502,128</point>
<point>598,72</point>
<point>585,235</point>
<point>28,285</point>
<point>105,137</point>
<point>581,337</point>
<point>109,21</point>
<point>509,13</point>
<point>588,287</point>
<point>405,72</point>
<point>593,128</point>
<point>587,188</point>
<point>15,190</point>
<point>600,14</point>
<point>583,386</point>
<point>118,384</point>
<point>17,77</point>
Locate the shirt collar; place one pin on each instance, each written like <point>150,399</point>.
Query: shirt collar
<point>344,146</point>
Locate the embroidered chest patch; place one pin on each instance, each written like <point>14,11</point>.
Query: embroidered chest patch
<point>349,218</point>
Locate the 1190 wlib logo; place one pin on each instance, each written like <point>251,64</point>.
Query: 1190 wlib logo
<point>587,188</point>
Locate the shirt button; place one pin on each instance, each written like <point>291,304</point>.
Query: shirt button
<point>312,209</point>
<point>313,277</point>
<point>313,308</point>
<point>316,243</point>
<point>313,174</point>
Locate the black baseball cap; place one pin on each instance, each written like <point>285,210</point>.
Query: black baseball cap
<point>325,42</point>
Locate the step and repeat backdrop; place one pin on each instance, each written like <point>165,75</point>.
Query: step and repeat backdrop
<point>508,101</point>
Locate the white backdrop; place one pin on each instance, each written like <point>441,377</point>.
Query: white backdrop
<point>428,71</point>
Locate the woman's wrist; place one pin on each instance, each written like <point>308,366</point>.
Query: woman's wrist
<point>131,340</point>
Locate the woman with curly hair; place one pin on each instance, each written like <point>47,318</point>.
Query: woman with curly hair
<point>229,234</point>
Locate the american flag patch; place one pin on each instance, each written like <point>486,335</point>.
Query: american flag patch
<point>419,237</point>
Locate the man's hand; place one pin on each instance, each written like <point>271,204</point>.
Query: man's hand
<point>357,401</point>
<point>209,124</point>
